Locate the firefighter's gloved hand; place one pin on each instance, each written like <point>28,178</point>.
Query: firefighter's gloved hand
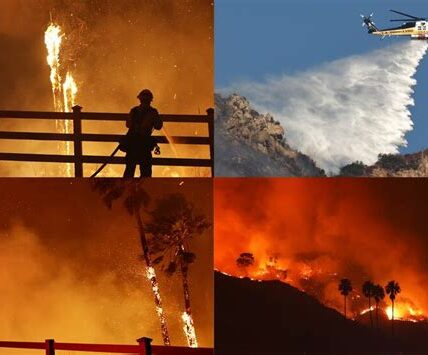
<point>157,150</point>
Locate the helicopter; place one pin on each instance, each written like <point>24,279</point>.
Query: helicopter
<point>414,27</point>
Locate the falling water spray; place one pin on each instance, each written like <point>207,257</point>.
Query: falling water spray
<point>348,110</point>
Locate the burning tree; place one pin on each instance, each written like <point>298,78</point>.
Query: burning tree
<point>244,261</point>
<point>378,294</point>
<point>392,289</point>
<point>174,224</point>
<point>64,90</point>
<point>135,198</point>
<point>345,288</point>
<point>368,291</point>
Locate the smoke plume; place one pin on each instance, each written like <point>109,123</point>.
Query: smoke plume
<point>114,49</point>
<point>322,230</point>
<point>348,110</point>
<point>71,269</point>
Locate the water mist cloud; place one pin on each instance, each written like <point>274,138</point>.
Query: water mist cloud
<point>346,110</point>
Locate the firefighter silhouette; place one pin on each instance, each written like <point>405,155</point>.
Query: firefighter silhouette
<point>138,142</point>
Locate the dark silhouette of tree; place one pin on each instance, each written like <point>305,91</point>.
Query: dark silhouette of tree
<point>357,168</point>
<point>135,198</point>
<point>345,288</point>
<point>379,295</point>
<point>368,291</point>
<point>392,289</point>
<point>174,223</point>
<point>244,261</point>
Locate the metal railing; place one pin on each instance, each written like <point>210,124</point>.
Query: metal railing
<point>144,347</point>
<point>78,137</point>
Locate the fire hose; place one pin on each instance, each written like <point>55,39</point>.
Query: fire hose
<point>106,162</point>
<point>123,146</point>
<point>156,151</point>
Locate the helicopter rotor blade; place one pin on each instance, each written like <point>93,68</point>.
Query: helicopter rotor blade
<point>402,20</point>
<point>407,15</point>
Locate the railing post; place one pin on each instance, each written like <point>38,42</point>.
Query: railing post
<point>145,346</point>
<point>210,117</point>
<point>50,346</point>
<point>77,134</point>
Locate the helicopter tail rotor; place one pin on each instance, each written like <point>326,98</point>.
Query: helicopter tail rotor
<point>369,23</point>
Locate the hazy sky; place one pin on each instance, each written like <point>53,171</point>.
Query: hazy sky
<point>363,229</point>
<point>64,250</point>
<point>113,49</point>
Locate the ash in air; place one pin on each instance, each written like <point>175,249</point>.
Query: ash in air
<point>338,261</point>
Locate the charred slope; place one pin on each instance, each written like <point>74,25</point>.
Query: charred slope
<point>270,316</point>
<point>251,144</point>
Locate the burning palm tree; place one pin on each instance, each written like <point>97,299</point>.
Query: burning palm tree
<point>392,289</point>
<point>378,294</point>
<point>64,90</point>
<point>174,224</point>
<point>345,288</point>
<point>135,198</point>
<point>368,291</point>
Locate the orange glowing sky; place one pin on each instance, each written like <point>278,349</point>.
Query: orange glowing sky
<point>65,254</point>
<point>328,228</point>
<point>113,49</point>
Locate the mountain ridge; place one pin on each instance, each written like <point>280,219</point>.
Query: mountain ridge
<point>272,316</point>
<point>252,144</point>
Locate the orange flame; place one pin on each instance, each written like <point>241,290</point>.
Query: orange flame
<point>189,330</point>
<point>405,311</point>
<point>53,40</point>
<point>64,93</point>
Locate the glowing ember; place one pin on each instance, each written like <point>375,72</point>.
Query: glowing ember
<point>299,224</point>
<point>189,330</point>
<point>70,91</point>
<point>405,312</point>
<point>64,94</point>
<point>151,276</point>
<point>53,39</point>
<point>372,308</point>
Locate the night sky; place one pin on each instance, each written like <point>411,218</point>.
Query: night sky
<point>356,228</point>
<point>80,262</point>
<point>114,49</point>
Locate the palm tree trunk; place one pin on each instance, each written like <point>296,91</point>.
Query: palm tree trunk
<point>392,320</point>
<point>187,318</point>
<point>151,275</point>
<point>371,316</point>
<point>377,315</point>
<point>345,305</point>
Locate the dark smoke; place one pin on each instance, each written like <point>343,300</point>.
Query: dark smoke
<point>327,230</point>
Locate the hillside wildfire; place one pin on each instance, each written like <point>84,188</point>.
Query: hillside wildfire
<point>313,233</point>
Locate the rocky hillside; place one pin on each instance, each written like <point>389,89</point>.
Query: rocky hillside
<point>248,143</point>
<point>391,165</point>
<point>251,144</point>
